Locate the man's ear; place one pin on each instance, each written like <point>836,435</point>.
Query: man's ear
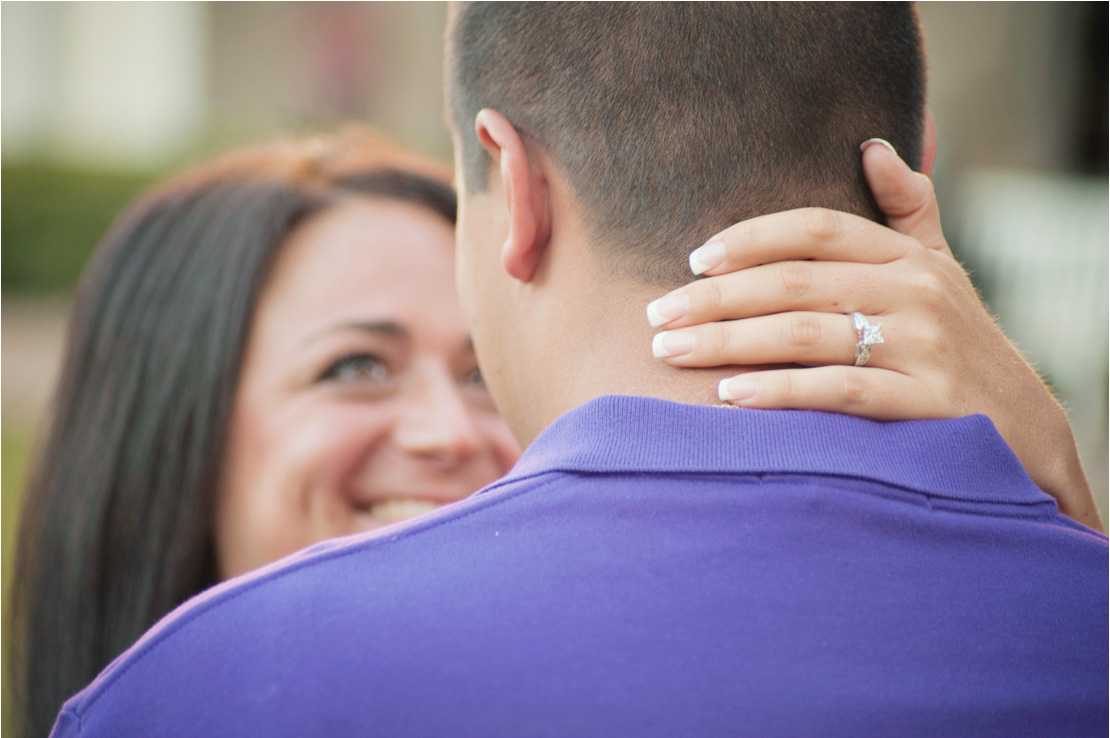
<point>526,195</point>
<point>928,144</point>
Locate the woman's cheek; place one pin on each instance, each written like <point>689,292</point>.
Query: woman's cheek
<point>337,445</point>
<point>288,487</point>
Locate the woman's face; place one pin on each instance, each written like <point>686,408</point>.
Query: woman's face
<point>359,401</point>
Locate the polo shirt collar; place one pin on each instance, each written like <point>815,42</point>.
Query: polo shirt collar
<point>959,458</point>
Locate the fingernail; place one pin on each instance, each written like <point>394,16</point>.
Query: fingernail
<point>704,258</point>
<point>736,388</point>
<point>666,309</point>
<point>672,343</point>
<point>882,141</point>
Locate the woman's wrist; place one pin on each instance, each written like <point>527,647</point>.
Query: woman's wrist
<point>1048,451</point>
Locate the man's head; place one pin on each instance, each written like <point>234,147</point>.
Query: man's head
<point>643,128</point>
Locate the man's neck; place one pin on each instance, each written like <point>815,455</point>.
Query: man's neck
<point>620,344</point>
<point>601,342</point>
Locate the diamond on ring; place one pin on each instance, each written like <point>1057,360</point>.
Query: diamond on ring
<point>869,335</point>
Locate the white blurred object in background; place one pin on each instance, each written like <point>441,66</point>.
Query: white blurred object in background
<point>112,85</point>
<point>1041,245</point>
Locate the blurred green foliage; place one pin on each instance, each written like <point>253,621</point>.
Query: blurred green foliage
<point>15,452</point>
<point>53,217</point>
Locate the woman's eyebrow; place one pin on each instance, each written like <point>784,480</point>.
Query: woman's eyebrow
<point>384,328</point>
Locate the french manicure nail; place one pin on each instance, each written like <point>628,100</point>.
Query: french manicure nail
<point>672,343</point>
<point>881,141</point>
<point>666,309</point>
<point>704,258</point>
<point>736,388</point>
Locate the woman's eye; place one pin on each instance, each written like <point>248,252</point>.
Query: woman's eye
<point>474,379</point>
<point>358,368</point>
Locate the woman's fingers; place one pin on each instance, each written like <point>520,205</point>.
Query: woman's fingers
<point>806,338</point>
<point>791,276</point>
<point>807,233</point>
<point>820,286</point>
<point>906,197</point>
<point>865,392</point>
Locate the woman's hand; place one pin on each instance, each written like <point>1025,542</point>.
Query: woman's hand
<point>781,289</point>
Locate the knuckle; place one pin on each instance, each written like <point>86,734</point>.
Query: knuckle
<point>820,224</point>
<point>744,244</point>
<point>929,288</point>
<point>912,250</point>
<point>724,341</point>
<point>803,331</point>
<point>929,283</point>
<point>948,389</point>
<point>709,300</point>
<point>795,278</point>
<point>787,390</point>
<point>852,388</point>
<point>745,235</point>
<point>931,338</point>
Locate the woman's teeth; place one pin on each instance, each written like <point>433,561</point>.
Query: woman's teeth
<point>401,509</point>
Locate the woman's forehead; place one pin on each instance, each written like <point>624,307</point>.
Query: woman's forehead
<point>367,261</point>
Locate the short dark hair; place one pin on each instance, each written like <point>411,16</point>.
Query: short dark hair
<point>673,120</point>
<point>117,521</point>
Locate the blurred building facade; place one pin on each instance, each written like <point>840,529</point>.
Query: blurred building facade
<point>143,85</point>
<point>1018,90</point>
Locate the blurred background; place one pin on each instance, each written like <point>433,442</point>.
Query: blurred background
<point>100,99</point>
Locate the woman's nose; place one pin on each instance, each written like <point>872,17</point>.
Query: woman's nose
<point>435,422</point>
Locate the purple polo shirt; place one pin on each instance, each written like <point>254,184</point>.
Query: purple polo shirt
<point>656,569</point>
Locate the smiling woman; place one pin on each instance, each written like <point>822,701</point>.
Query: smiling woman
<point>264,352</point>
<point>360,402</point>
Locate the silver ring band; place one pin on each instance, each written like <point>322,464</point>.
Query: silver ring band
<point>869,335</point>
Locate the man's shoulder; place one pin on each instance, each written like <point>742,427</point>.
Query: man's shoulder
<point>352,609</point>
<point>293,611</point>
<point>558,588</point>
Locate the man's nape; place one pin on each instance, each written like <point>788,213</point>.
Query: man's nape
<point>642,145</point>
